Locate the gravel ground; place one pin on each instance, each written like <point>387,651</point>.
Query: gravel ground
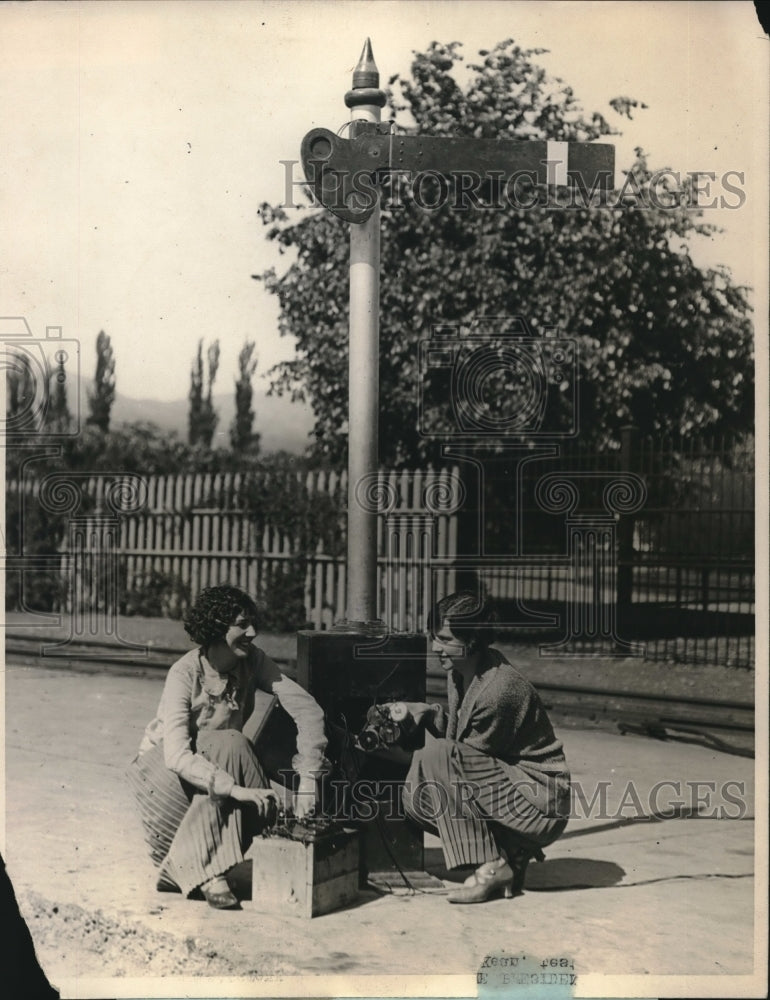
<point>101,942</point>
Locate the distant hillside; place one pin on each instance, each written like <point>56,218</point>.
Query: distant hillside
<point>283,425</point>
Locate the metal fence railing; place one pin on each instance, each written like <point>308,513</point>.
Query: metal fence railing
<point>650,543</point>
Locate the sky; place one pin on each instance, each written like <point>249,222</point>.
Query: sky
<point>140,138</point>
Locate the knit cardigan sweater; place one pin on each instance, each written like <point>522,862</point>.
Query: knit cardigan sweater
<point>501,715</point>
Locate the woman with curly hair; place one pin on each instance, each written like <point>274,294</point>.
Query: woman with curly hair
<point>493,783</point>
<point>202,792</point>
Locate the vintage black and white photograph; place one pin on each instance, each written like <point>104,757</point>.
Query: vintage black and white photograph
<point>385,535</point>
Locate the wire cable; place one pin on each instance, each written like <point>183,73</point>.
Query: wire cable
<point>413,890</point>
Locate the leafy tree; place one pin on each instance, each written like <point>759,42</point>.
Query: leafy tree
<point>202,417</point>
<point>663,344</point>
<point>20,414</point>
<point>210,418</point>
<point>196,397</point>
<point>57,418</point>
<point>102,396</point>
<point>242,436</point>
<point>33,409</point>
<point>141,447</point>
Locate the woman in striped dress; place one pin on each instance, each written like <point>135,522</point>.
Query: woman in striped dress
<point>493,782</point>
<point>201,791</point>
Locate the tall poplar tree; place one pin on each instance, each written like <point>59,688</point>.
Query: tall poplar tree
<point>202,417</point>
<point>242,436</point>
<point>102,396</point>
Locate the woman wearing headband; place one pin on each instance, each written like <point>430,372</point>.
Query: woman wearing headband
<point>493,781</point>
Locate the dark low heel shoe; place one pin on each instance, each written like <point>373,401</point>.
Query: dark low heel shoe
<point>218,894</point>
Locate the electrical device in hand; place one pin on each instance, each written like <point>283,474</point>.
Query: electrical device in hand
<point>384,727</point>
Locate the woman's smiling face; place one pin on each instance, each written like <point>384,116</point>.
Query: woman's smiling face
<point>240,636</point>
<point>452,652</point>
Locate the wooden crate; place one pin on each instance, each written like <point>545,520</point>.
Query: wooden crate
<point>304,878</point>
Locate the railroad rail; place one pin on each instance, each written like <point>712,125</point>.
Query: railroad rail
<point>725,725</point>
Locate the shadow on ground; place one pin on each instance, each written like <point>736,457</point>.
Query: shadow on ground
<point>544,876</point>
<point>573,873</point>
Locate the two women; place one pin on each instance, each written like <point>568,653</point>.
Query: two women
<point>492,779</point>
<point>202,792</point>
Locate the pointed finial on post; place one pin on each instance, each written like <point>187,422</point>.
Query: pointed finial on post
<point>366,81</point>
<point>366,73</point>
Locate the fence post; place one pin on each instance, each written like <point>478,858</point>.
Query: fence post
<point>625,574</point>
<point>93,549</point>
<point>704,588</point>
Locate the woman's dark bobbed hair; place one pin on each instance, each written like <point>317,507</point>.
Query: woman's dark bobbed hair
<point>214,612</point>
<point>471,616</point>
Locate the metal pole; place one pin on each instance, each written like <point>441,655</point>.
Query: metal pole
<point>365,100</point>
<point>625,572</point>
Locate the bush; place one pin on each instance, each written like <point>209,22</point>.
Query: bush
<point>157,595</point>
<point>282,598</point>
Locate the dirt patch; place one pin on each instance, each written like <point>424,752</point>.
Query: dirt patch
<point>62,930</point>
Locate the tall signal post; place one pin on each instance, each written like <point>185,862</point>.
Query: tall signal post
<point>365,101</point>
<point>359,662</point>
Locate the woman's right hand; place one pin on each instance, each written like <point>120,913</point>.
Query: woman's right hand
<point>418,711</point>
<point>264,799</point>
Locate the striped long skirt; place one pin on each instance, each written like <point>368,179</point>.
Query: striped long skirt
<point>470,801</point>
<point>193,838</point>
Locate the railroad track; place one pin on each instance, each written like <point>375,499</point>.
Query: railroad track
<point>631,711</point>
<point>88,655</point>
<point>588,702</point>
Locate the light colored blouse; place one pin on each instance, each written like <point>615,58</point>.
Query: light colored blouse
<point>196,697</point>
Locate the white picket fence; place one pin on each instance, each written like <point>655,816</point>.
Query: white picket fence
<point>198,530</point>
<point>171,536</point>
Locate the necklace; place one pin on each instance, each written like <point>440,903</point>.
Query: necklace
<point>219,687</point>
